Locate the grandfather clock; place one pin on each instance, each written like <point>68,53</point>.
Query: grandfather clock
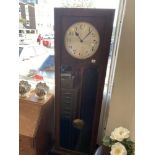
<point>82,43</point>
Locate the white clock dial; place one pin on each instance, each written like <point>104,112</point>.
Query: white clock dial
<point>82,40</point>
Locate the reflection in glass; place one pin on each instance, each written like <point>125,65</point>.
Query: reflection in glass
<point>77,110</point>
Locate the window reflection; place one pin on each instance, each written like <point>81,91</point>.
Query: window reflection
<point>36,59</point>
<point>37,17</point>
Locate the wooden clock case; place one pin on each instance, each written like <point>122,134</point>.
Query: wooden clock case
<point>79,83</point>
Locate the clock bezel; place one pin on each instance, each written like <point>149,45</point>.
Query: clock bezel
<point>96,33</point>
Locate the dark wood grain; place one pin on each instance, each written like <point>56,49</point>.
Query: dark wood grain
<point>102,20</point>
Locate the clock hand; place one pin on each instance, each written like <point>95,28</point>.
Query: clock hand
<point>77,34</point>
<point>86,35</point>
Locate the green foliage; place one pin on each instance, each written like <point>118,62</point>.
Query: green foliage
<point>128,144</point>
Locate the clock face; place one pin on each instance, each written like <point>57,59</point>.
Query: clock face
<point>82,40</point>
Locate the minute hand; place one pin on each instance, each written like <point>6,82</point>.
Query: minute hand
<point>87,35</point>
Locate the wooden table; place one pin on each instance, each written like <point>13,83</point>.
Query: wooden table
<point>35,124</point>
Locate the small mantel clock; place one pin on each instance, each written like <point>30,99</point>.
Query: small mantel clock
<point>82,44</point>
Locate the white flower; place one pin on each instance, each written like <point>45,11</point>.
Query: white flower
<point>120,134</point>
<point>118,149</point>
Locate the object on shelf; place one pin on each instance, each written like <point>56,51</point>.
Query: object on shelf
<point>41,90</point>
<point>38,77</point>
<point>24,88</point>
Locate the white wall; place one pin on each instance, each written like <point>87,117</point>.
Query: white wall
<point>122,105</point>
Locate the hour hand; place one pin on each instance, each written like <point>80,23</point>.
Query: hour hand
<point>77,34</point>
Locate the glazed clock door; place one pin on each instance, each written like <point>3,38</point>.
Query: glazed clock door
<point>82,43</point>
<point>81,40</point>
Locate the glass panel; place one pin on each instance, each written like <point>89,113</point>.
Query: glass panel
<point>38,64</point>
<point>77,110</point>
<point>40,17</point>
